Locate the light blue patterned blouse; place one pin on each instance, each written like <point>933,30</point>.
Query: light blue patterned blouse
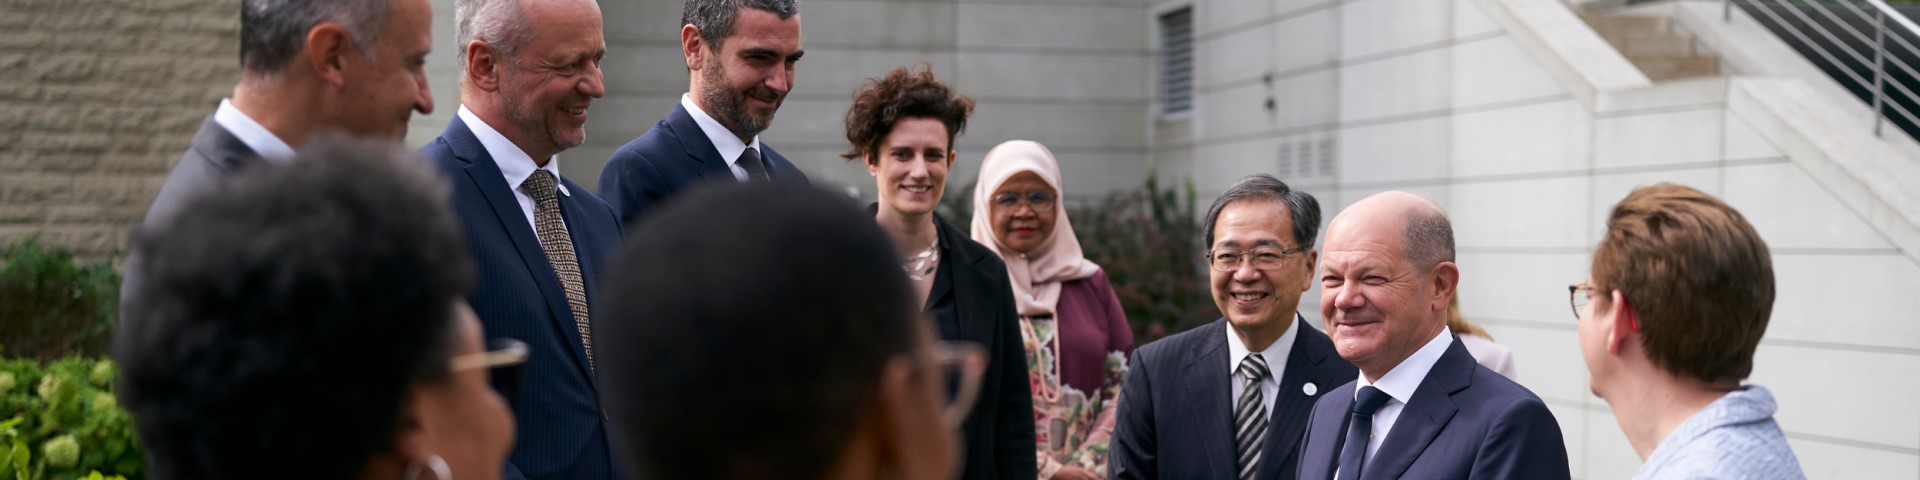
<point>1733,438</point>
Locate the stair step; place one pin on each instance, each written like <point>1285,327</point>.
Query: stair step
<point>1658,68</point>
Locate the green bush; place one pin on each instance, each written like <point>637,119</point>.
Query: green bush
<point>51,306</point>
<point>63,422</point>
<point>1148,242</point>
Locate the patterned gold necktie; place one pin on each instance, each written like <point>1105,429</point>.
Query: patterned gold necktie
<point>559,246</point>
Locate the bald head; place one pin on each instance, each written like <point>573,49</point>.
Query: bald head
<point>1425,232</point>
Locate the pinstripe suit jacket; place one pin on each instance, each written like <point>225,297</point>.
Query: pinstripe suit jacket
<point>563,434</point>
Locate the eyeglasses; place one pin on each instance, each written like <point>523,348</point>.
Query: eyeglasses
<point>1262,259</point>
<point>1576,298</point>
<point>502,361</point>
<point>960,364</point>
<point>1038,199</point>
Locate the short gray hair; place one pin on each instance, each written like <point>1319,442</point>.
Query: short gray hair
<point>1303,210</point>
<point>272,32</point>
<point>714,18</point>
<point>501,23</point>
<point>1429,237</point>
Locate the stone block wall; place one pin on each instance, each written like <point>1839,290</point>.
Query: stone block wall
<point>98,99</point>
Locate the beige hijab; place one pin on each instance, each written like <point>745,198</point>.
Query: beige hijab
<point>1036,276</point>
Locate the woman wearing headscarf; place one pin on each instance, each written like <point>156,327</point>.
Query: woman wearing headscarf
<point>902,126</point>
<point>1075,334</point>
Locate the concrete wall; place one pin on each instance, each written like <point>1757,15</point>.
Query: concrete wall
<point>1071,74</point>
<point>1433,97</point>
<point>97,100</point>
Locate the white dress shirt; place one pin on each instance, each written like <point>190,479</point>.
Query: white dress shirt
<point>263,142</point>
<point>1275,355</point>
<point>723,140</point>
<point>1400,384</point>
<point>514,163</point>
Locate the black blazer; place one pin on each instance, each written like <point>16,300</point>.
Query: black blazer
<point>999,433</point>
<point>215,155</point>
<point>1176,410</point>
<point>1464,421</point>
<point>562,434</point>
<point>673,156</point>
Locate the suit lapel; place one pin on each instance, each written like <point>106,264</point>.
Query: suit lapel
<point>1423,418</point>
<point>486,176</point>
<point>700,149</point>
<point>1321,455</point>
<point>1210,402</point>
<point>222,148</point>
<point>1291,409</point>
<point>968,285</point>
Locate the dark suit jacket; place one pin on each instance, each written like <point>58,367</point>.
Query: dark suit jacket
<point>673,156</point>
<point>562,434</point>
<point>1464,422</point>
<point>999,433</point>
<point>1176,410</point>
<point>214,156</point>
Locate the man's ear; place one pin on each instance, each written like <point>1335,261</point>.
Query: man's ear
<point>410,442</point>
<point>326,50</point>
<point>1446,278</point>
<point>1313,261</point>
<point>483,65</point>
<point>693,47</point>
<point>1621,323</point>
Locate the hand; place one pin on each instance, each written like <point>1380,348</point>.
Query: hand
<point>1071,472</point>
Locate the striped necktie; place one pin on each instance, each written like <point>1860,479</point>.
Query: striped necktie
<point>558,244</point>
<point>1250,417</point>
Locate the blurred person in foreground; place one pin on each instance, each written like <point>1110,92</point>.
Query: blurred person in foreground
<point>356,67</point>
<point>529,71</point>
<point>1229,399</point>
<point>816,366</point>
<point>307,321</point>
<point>902,126</point>
<point>1494,356</point>
<point>1075,334</point>
<point>1421,407</point>
<point>1678,298</point>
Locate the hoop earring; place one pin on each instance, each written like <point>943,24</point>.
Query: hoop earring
<point>435,464</point>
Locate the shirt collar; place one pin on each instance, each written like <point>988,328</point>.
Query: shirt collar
<point>723,140</point>
<point>1275,354</point>
<point>263,142</point>
<point>1400,382</point>
<point>513,162</point>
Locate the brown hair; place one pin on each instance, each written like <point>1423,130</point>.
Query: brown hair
<point>901,95</point>
<point>1697,276</point>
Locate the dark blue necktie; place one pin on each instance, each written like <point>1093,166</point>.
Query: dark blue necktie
<point>1359,430</point>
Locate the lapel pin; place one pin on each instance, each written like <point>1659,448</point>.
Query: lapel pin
<point>1310,389</point>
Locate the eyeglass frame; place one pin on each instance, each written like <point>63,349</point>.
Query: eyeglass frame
<point>970,360</point>
<point>1282,262</point>
<point>502,361</point>
<point>1025,198</point>
<point>1575,299</point>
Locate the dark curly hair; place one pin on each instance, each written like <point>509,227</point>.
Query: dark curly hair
<point>286,315</point>
<point>904,93</point>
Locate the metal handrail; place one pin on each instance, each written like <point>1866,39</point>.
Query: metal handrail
<point>1882,13</point>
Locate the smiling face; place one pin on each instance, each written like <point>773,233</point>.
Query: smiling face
<point>389,85</point>
<point>744,82</point>
<point>1254,300</point>
<point>1023,225</point>
<point>1377,306</point>
<point>910,166</point>
<point>545,90</point>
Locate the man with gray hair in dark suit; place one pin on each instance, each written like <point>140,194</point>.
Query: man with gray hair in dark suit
<point>307,66</point>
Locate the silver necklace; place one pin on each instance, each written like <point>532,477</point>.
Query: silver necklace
<point>921,265</point>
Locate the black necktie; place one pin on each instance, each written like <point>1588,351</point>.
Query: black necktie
<point>1359,431</point>
<point>756,171</point>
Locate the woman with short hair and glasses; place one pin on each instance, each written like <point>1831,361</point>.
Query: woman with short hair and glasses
<point>1075,333</point>
<point>902,127</point>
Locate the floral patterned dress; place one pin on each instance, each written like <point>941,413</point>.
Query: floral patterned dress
<point>1072,427</point>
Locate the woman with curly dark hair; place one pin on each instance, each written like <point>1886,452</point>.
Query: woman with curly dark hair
<point>903,127</point>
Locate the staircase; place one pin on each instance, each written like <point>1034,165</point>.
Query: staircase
<point>1652,44</point>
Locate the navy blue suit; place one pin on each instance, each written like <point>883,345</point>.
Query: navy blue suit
<point>1176,410</point>
<point>562,432</point>
<point>673,156</point>
<point>1464,421</point>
